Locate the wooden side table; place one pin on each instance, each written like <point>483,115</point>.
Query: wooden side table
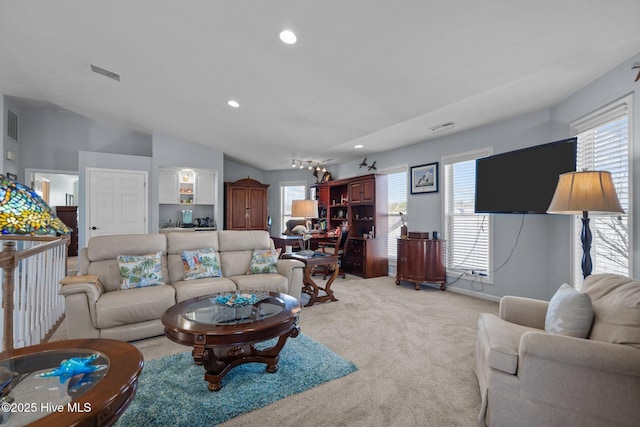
<point>89,401</point>
<point>310,287</point>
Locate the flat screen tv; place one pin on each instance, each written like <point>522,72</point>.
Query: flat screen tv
<point>523,181</point>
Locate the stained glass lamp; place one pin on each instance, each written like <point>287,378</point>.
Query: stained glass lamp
<point>22,211</point>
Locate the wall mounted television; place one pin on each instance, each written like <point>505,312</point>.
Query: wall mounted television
<point>523,181</point>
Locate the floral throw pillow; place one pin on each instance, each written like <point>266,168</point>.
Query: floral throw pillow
<point>200,263</point>
<point>264,261</point>
<point>139,271</point>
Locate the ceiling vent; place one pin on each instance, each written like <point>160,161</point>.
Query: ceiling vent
<point>105,73</point>
<point>442,127</point>
<point>12,125</point>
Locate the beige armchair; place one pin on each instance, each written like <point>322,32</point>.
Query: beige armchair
<point>529,377</point>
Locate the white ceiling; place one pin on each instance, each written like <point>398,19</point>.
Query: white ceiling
<point>378,73</point>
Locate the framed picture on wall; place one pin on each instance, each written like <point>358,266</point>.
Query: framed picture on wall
<point>12,176</point>
<point>424,178</point>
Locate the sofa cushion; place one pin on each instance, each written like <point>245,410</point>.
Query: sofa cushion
<point>569,313</point>
<point>139,271</point>
<point>264,261</point>
<point>200,263</point>
<point>102,254</point>
<point>179,241</point>
<point>262,282</point>
<point>133,305</point>
<point>186,289</point>
<point>236,240</point>
<point>502,339</point>
<point>616,303</point>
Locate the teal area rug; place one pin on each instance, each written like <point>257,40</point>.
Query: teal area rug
<point>172,390</point>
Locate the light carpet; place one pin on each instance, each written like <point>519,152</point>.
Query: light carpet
<point>413,349</point>
<point>172,390</point>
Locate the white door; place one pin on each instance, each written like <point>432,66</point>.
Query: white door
<point>117,201</point>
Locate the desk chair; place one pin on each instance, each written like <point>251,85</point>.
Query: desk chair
<point>334,247</point>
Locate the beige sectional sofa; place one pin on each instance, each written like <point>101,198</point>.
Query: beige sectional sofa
<point>101,309</point>
<point>529,377</point>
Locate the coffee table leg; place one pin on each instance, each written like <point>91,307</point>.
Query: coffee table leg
<point>218,366</point>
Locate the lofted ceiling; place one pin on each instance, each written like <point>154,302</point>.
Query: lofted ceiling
<point>376,73</point>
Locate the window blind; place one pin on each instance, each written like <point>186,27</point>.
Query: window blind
<point>397,199</point>
<point>466,232</point>
<point>290,191</point>
<point>603,144</point>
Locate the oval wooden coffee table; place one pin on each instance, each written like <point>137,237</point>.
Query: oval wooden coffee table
<point>223,337</point>
<point>91,399</point>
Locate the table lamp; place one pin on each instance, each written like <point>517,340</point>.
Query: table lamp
<point>22,211</point>
<point>583,192</point>
<point>306,209</point>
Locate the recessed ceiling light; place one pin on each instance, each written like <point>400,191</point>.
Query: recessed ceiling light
<point>358,146</point>
<point>288,37</point>
<point>233,103</point>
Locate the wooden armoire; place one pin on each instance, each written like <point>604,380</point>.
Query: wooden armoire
<point>245,205</point>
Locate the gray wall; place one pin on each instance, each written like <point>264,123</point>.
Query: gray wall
<point>612,86</point>
<point>541,261</point>
<point>51,139</point>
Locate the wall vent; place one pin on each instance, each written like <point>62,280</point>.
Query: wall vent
<point>12,125</point>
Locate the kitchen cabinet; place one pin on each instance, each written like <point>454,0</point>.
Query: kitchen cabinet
<point>421,261</point>
<point>205,188</point>
<point>186,186</point>
<point>168,184</point>
<point>245,205</point>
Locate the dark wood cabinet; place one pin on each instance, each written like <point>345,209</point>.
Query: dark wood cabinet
<point>361,202</point>
<point>363,191</point>
<point>366,257</point>
<point>69,215</point>
<point>421,261</point>
<point>246,205</point>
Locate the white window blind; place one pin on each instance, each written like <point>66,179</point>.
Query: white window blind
<point>397,196</point>
<point>290,191</point>
<point>467,233</point>
<point>603,144</point>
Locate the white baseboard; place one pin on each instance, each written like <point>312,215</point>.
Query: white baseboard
<point>474,294</point>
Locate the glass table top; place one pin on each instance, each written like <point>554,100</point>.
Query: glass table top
<point>213,310</point>
<point>28,395</point>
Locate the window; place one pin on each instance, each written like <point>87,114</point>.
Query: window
<point>603,144</point>
<point>397,199</point>
<point>290,191</point>
<point>466,232</point>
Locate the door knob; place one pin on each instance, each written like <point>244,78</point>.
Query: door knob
<point>94,228</point>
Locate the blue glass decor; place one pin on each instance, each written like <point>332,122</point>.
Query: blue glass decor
<point>74,366</point>
<point>236,299</point>
<point>22,211</point>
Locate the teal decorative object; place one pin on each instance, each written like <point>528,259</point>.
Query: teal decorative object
<point>22,211</point>
<point>74,366</point>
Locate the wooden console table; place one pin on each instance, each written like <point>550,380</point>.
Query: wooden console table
<point>310,287</point>
<point>421,261</point>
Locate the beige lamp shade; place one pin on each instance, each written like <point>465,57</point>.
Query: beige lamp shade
<point>304,208</point>
<point>585,191</point>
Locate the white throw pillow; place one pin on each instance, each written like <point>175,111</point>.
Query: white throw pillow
<point>569,313</point>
